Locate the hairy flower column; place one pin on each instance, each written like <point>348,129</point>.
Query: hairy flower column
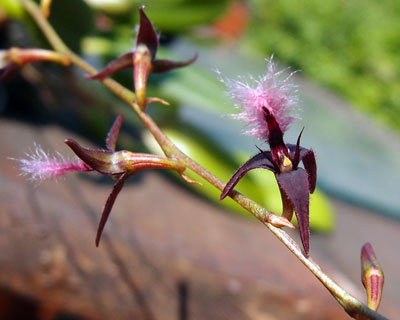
<point>265,109</point>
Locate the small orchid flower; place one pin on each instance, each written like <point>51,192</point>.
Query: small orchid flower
<point>120,165</point>
<point>142,59</point>
<point>265,109</point>
<point>11,60</point>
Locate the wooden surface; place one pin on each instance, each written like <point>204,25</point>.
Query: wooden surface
<point>165,253</point>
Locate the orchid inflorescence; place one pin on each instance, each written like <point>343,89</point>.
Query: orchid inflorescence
<point>265,108</point>
<point>119,164</point>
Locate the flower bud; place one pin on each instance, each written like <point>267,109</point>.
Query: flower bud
<point>372,276</point>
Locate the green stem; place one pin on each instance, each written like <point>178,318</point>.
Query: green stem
<point>352,306</point>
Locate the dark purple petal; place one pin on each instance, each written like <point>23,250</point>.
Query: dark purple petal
<point>258,161</point>
<point>112,135</point>
<point>109,204</point>
<point>287,207</point>
<point>98,159</point>
<point>310,165</point>
<point>308,158</point>
<point>146,34</point>
<point>295,186</point>
<point>161,66</point>
<point>122,62</point>
<point>275,134</point>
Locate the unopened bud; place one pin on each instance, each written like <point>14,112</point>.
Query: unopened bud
<point>372,276</point>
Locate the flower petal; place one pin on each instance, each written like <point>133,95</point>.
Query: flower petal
<point>109,204</point>
<point>258,161</point>
<point>308,158</point>
<point>275,134</point>
<point>310,165</point>
<point>295,186</point>
<point>122,62</point>
<point>161,66</point>
<point>112,135</point>
<point>98,159</point>
<point>287,207</point>
<point>147,35</point>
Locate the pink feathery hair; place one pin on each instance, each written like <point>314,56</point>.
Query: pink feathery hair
<point>270,91</point>
<point>39,166</point>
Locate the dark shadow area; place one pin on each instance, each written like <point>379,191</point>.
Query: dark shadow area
<point>183,298</point>
<point>17,307</point>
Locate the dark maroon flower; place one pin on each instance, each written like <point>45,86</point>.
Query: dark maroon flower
<point>265,108</point>
<point>142,59</point>
<point>39,165</point>
<point>120,165</point>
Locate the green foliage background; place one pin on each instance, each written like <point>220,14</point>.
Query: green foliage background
<point>352,47</point>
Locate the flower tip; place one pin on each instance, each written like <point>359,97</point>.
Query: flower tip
<point>147,35</point>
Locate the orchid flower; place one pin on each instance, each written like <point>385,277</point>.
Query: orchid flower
<point>143,60</point>
<point>265,109</point>
<point>118,164</point>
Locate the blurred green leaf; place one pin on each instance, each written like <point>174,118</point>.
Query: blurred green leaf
<point>72,20</point>
<point>351,47</point>
<point>12,8</point>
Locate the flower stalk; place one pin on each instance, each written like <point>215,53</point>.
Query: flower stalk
<point>14,58</point>
<point>351,305</point>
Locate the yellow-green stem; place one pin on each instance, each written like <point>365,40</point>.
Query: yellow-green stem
<point>352,306</point>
